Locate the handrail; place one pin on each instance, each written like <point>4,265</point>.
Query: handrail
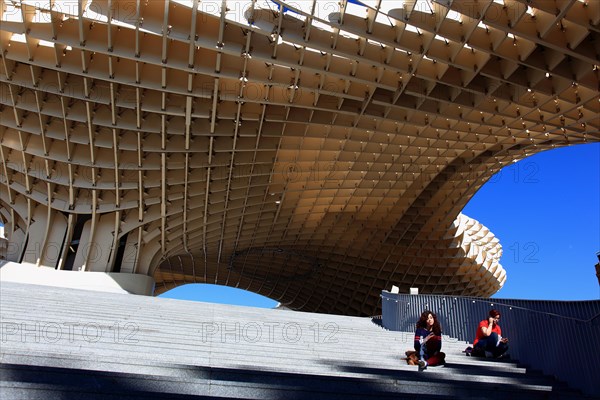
<point>517,307</point>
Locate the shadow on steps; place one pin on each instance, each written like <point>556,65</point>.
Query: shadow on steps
<point>201,383</point>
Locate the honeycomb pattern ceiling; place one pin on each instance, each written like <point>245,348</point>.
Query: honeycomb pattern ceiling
<point>313,152</point>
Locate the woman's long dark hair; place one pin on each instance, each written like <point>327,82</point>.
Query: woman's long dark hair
<point>422,323</point>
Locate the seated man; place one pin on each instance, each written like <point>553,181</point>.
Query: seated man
<point>489,337</point>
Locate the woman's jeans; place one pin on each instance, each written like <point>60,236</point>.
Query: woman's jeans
<point>491,344</point>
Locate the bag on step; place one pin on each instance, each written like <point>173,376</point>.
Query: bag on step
<point>468,351</point>
<point>411,357</point>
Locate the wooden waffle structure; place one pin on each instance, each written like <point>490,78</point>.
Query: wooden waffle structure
<point>313,152</point>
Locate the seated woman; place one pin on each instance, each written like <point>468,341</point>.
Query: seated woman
<point>428,341</point>
<point>488,338</point>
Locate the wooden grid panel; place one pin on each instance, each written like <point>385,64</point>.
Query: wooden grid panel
<point>313,155</point>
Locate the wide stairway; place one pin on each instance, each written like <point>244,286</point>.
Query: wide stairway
<point>73,344</point>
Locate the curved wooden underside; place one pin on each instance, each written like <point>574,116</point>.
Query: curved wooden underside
<point>315,153</point>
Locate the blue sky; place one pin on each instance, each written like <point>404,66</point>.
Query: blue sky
<point>545,210</point>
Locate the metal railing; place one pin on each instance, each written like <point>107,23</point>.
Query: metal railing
<point>559,338</point>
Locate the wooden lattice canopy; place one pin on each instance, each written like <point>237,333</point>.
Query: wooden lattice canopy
<point>314,152</point>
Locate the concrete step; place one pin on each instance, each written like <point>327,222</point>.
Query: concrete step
<point>330,367</point>
<point>266,384</point>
